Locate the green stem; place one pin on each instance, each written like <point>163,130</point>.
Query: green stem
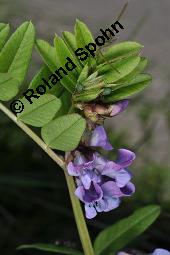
<point>80,221</point>
<point>79,217</point>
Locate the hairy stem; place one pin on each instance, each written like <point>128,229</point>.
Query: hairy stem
<point>79,217</point>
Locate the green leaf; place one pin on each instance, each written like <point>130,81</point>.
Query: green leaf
<point>126,80</point>
<point>139,68</point>
<point>16,54</point>
<point>139,83</point>
<point>119,69</point>
<point>83,38</point>
<point>83,34</point>
<point>8,87</point>
<point>87,96</point>
<point>64,133</point>
<point>117,236</point>
<point>4,31</point>
<point>45,72</point>
<point>120,50</point>
<point>41,111</point>
<point>62,53</point>
<point>49,55</point>
<point>51,248</point>
<point>66,101</point>
<point>84,74</point>
<point>70,41</point>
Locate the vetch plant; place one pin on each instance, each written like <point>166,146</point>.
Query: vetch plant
<point>71,116</point>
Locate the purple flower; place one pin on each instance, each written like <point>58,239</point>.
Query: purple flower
<point>83,169</point>
<point>119,107</point>
<point>160,251</point>
<point>99,139</point>
<point>93,194</point>
<point>116,170</point>
<point>101,182</point>
<point>98,198</point>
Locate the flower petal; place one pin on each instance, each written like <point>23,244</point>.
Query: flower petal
<point>86,180</point>
<point>99,138</point>
<point>128,190</point>
<point>89,165</point>
<point>80,193</point>
<point>107,146</point>
<point>110,189</point>
<point>112,203</point>
<point>122,178</point>
<point>110,169</point>
<point>73,170</point>
<point>101,205</point>
<point>125,157</point>
<point>93,194</point>
<point>119,107</point>
<point>79,160</point>
<point>100,162</point>
<point>90,211</point>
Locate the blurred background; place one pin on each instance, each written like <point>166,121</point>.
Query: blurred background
<point>34,201</point>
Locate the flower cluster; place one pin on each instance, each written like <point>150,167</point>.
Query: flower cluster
<point>101,183</point>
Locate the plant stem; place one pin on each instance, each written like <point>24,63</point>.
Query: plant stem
<point>81,224</point>
<point>79,217</point>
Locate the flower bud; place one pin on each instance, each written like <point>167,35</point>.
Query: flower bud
<point>98,112</point>
<point>118,107</point>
